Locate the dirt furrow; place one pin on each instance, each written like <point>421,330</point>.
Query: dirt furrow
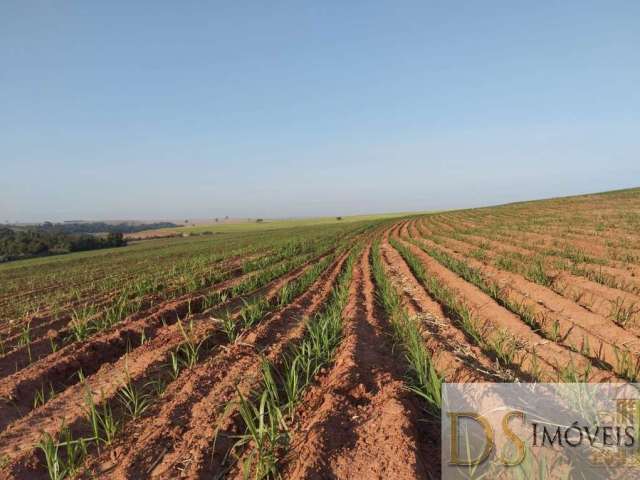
<point>595,297</point>
<point>105,383</point>
<point>181,437</point>
<point>360,421</point>
<point>40,323</point>
<point>69,407</point>
<point>536,244</point>
<point>540,356</point>
<point>59,370</point>
<point>55,331</point>
<point>577,326</point>
<point>458,359</point>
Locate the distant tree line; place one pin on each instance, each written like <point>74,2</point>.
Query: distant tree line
<point>101,227</point>
<point>33,242</point>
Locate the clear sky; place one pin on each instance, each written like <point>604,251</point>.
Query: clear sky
<point>164,109</point>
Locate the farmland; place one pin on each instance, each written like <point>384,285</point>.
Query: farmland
<point>314,350</point>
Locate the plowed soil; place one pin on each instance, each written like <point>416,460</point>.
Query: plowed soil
<point>564,289</point>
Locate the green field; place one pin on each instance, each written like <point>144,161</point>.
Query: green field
<point>274,224</point>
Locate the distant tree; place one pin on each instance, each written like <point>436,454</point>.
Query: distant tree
<point>100,227</point>
<point>338,218</point>
<point>216,220</point>
<point>186,221</point>
<point>30,242</point>
<point>116,239</point>
<point>226,217</point>
<point>259,220</point>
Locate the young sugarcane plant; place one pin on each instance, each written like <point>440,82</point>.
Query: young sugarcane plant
<point>187,354</point>
<point>63,458</point>
<point>134,400</point>
<point>104,425</point>
<point>265,429</point>
<point>25,338</point>
<point>229,327</point>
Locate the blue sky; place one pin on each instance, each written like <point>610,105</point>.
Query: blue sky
<point>200,109</point>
